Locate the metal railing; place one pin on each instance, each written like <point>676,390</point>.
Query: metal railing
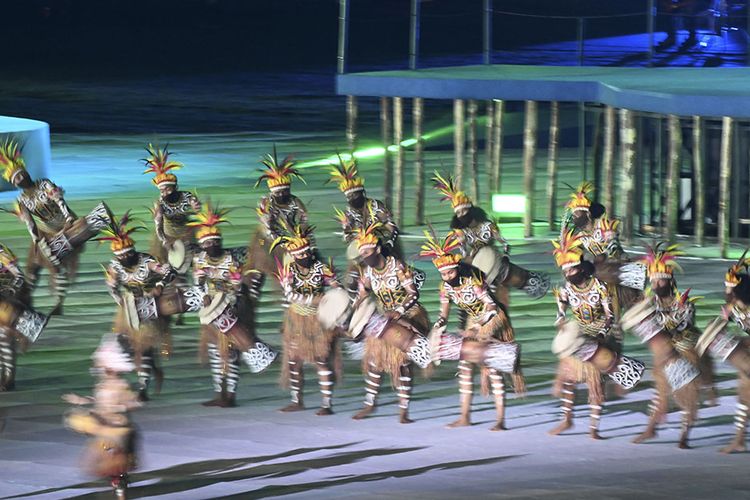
<point>717,19</point>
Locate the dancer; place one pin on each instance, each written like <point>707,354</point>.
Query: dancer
<point>20,324</point>
<point>135,280</point>
<point>57,235</point>
<point>360,212</point>
<point>391,282</point>
<point>276,211</point>
<point>666,321</point>
<point>304,280</point>
<point>111,452</point>
<point>599,235</point>
<point>478,235</point>
<point>228,318</point>
<point>171,213</point>
<point>591,344</point>
<point>488,333</point>
<point>732,349</point>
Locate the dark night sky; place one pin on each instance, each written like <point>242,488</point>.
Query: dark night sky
<point>58,37</point>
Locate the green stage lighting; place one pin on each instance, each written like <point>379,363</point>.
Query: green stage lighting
<point>509,205</point>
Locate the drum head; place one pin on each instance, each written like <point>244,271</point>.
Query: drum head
<point>176,255</point>
<point>219,302</point>
<point>568,339</point>
<point>361,317</point>
<point>333,308</point>
<point>352,253</point>
<point>488,260</point>
<point>130,309</point>
<point>637,314</point>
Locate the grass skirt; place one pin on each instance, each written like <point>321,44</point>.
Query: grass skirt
<point>305,340</point>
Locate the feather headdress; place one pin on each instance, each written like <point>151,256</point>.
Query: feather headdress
<point>345,173</point>
<point>159,164</point>
<point>447,186</point>
<point>440,251</point>
<point>568,251</point>
<point>207,222</point>
<point>278,175</point>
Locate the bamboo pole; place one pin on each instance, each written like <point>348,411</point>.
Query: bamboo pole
<point>640,156</point>
<point>497,146</point>
<point>529,150</point>
<point>385,134</point>
<point>609,160</point>
<point>351,122</point>
<point>699,205</point>
<point>418,117</point>
<point>398,137</point>
<point>488,147</point>
<point>628,174</point>
<point>673,177</point>
<point>458,140</point>
<point>472,110</point>
<point>554,136</point>
<point>724,173</point>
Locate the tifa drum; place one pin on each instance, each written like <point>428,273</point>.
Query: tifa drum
<point>717,340</point>
<point>334,308</point>
<point>221,314</point>
<point>362,316</point>
<point>367,320</point>
<point>725,346</point>
<point>64,242</point>
<point>23,319</point>
<point>489,261</point>
<point>173,300</point>
<point>352,252</point>
<point>502,356</point>
<point>571,342</point>
<point>179,257</point>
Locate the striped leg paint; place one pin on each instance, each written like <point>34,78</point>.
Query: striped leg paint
<point>296,384</point>
<point>325,381</point>
<point>465,394</point>
<point>7,360</point>
<point>595,415</point>
<point>566,406</point>
<point>498,392</point>
<point>404,392</point>
<point>372,388</point>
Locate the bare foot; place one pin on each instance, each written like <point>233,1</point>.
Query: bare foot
<point>364,412</point>
<point>292,407</point>
<point>461,422</point>
<point>683,445</point>
<point>500,426</point>
<point>644,436</point>
<point>564,426</point>
<point>324,411</point>
<point>594,434</point>
<point>736,446</point>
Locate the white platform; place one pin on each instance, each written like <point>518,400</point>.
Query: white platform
<point>33,135</point>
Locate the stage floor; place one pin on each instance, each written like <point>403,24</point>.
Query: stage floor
<point>253,451</point>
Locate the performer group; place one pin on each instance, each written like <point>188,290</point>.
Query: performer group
<point>371,309</point>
